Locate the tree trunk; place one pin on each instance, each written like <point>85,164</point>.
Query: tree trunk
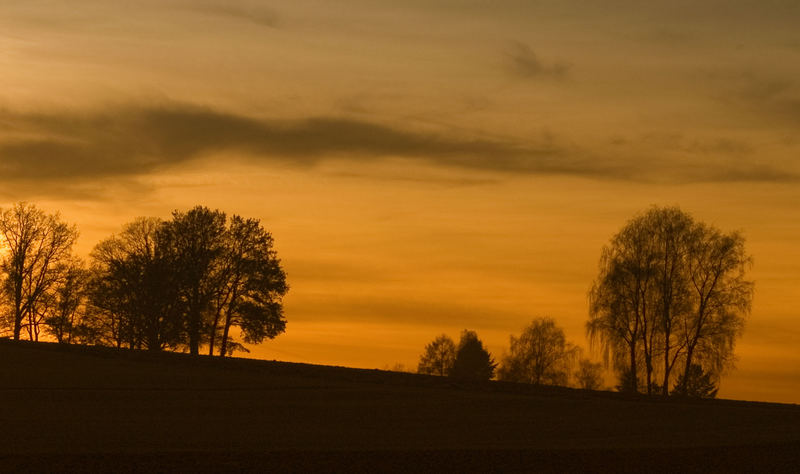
<point>689,355</point>
<point>226,330</point>
<point>634,377</point>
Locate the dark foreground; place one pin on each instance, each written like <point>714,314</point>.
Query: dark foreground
<point>83,409</point>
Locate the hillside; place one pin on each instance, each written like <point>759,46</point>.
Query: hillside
<point>77,408</point>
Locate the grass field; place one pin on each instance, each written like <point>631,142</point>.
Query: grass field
<point>75,408</point>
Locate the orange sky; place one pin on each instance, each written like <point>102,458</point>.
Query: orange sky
<point>424,167</point>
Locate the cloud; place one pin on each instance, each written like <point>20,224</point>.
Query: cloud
<point>771,96</point>
<point>253,13</point>
<point>70,148</point>
<point>142,139</point>
<point>524,62</point>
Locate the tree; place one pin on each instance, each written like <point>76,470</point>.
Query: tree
<point>38,246</point>
<point>250,284</point>
<point>194,241</point>
<point>670,290</point>
<point>540,356</point>
<point>67,300</point>
<point>589,375</point>
<point>186,281</point>
<point>133,291</point>
<point>696,383</point>
<point>721,297</point>
<point>473,361</point>
<point>439,357</point>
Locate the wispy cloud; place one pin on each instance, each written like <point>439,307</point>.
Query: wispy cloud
<point>524,62</point>
<point>249,12</point>
<point>77,147</point>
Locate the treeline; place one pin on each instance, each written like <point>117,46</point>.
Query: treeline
<point>666,309</point>
<point>541,355</point>
<point>180,284</point>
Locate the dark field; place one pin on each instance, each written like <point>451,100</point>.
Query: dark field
<point>72,408</point>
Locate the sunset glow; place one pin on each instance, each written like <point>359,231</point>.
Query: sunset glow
<point>425,166</point>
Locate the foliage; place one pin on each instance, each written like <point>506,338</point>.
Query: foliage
<point>589,375</point>
<point>696,383</point>
<point>473,361</point>
<point>671,291</point>
<point>186,282</point>
<point>540,356</point>
<point>439,357</point>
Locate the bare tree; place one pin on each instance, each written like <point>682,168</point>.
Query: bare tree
<point>619,311</point>
<point>541,355</point>
<point>721,299</point>
<point>439,357</point>
<point>66,303</point>
<point>589,375</point>
<point>38,246</point>
<point>670,291</point>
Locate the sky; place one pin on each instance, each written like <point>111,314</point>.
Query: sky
<point>425,166</point>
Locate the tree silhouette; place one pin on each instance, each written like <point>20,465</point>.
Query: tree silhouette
<point>66,303</point>
<point>540,355</point>
<point>194,241</point>
<point>38,249</point>
<point>473,361</point>
<point>185,282</point>
<point>250,284</point>
<point>589,375</point>
<point>133,292</point>
<point>670,290</point>
<point>696,383</point>
<point>439,357</point>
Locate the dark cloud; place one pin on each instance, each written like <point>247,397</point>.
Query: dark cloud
<point>139,140</point>
<point>124,142</point>
<point>524,62</point>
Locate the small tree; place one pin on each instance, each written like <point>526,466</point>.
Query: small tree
<point>589,375</point>
<point>473,361</point>
<point>439,357</point>
<point>66,303</point>
<point>540,356</point>
<point>696,383</point>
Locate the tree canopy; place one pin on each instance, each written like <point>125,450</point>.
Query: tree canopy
<point>671,292</point>
<point>473,361</point>
<point>439,357</point>
<point>541,355</point>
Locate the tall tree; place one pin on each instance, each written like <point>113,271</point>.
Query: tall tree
<point>195,241</point>
<point>473,361</point>
<point>38,245</point>
<point>250,284</point>
<point>619,309</point>
<point>133,290</point>
<point>670,290</point>
<point>721,299</point>
<point>541,355</point>
<point>439,357</point>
